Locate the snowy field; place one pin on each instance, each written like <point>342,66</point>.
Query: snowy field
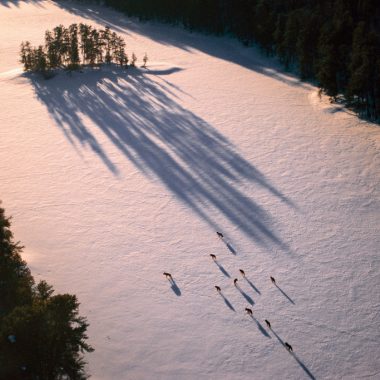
<point>114,177</point>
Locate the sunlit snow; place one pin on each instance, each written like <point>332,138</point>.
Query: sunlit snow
<point>114,177</point>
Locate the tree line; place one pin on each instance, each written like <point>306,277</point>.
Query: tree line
<point>42,335</point>
<point>333,42</point>
<point>79,44</point>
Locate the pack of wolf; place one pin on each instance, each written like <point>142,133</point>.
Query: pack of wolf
<point>248,310</point>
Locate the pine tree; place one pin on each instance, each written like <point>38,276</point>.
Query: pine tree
<point>85,45</point>
<point>25,55</point>
<point>52,52</point>
<point>291,33</point>
<point>364,70</point>
<point>40,59</point>
<point>106,38</point>
<point>264,25</point>
<point>307,38</point>
<point>133,60</point>
<point>15,279</point>
<point>113,46</point>
<point>59,44</point>
<point>96,44</point>
<point>327,65</point>
<point>99,47</point>
<point>145,60</point>
<point>120,56</point>
<point>66,47</point>
<point>74,59</point>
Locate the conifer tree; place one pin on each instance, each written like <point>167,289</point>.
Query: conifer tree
<point>25,55</point>
<point>327,65</point>
<point>307,38</point>
<point>52,52</point>
<point>40,59</point>
<point>85,45</point>
<point>96,44</point>
<point>145,60</point>
<point>133,60</point>
<point>16,280</point>
<point>99,47</point>
<point>114,46</point>
<point>120,56</point>
<point>106,38</point>
<point>59,44</point>
<point>364,71</point>
<point>74,59</point>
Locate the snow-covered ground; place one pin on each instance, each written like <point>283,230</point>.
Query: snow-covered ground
<point>114,177</point>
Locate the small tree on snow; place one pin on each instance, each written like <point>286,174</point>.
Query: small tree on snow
<point>133,60</point>
<point>145,60</point>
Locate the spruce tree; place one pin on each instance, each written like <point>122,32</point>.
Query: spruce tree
<point>95,53</point>
<point>114,47</point>
<point>59,44</point>
<point>364,71</point>
<point>85,45</point>
<point>120,56</point>
<point>106,38</point>
<point>52,52</point>
<point>133,60</point>
<point>40,59</point>
<point>16,280</point>
<point>25,55</point>
<point>307,38</point>
<point>145,60</point>
<point>74,48</point>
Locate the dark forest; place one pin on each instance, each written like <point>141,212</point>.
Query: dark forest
<point>335,43</point>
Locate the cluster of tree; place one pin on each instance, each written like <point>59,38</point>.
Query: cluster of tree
<point>41,334</point>
<point>76,45</point>
<point>335,42</point>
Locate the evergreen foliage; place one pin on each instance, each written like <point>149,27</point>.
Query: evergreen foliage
<point>73,46</point>
<point>335,42</point>
<point>133,60</point>
<point>145,60</point>
<point>41,334</point>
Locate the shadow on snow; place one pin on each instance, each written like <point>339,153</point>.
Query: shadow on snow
<point>296,358</point>
<point>16,3</point>
<point>165,141</point>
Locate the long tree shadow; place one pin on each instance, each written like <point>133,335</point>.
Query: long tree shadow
<point>163,140</point>
<point>301,364</point>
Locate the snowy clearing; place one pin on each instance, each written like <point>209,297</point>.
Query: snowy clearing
<point>114,177</point>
